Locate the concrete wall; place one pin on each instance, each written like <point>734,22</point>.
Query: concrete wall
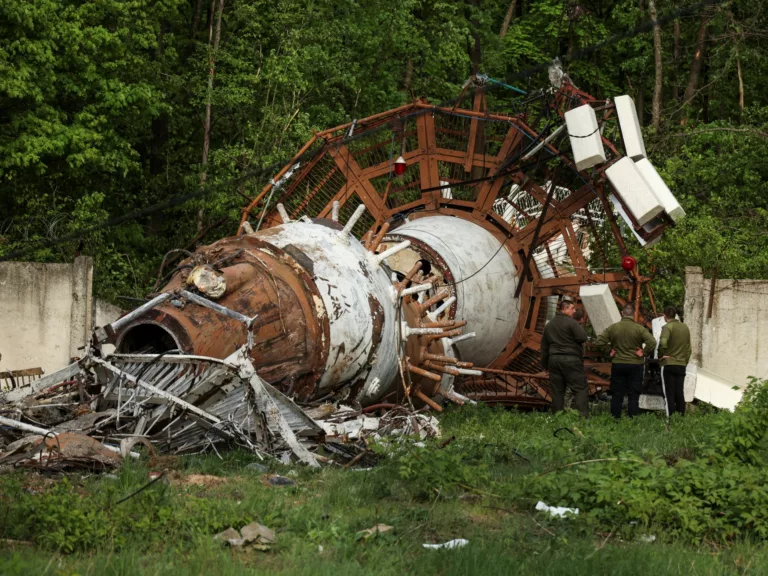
<point>733,343</point>
<point>47,313</point>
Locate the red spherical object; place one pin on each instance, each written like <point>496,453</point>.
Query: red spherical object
<point>400,166</point>
<point>628,263</point>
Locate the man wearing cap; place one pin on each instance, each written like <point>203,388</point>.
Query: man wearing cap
<point>562,353</point>
<point>625,341</point>
<point>674,355</point>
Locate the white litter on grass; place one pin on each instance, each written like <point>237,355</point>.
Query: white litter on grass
<point>647,538</point>
<point>457,543</point>
<point>559,511</point>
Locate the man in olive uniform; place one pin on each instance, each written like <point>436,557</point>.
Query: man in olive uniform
<point>674,355</point>
<point>562,353</point>
<point>625,341</point>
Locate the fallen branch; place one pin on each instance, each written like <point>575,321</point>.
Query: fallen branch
<point>356,459</point>
<point>548,531</point>
<point>596,550</point>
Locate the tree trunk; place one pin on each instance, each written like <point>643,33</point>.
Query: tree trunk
<point>698,59</point>
<point>706,92</point>
<point>160,124</point>
<point>213,47</point>
<point>475,55</point>
<point>741,87</point>
<point>675,60</point>
<point>196,18</point>
<point>656,109</point>
<point>508,19</point>
<point>408,76</point>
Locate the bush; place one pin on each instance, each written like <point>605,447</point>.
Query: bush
<point>68,519</point>
<point>718,496</point>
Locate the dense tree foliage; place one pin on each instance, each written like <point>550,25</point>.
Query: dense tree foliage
<point>107,106</point>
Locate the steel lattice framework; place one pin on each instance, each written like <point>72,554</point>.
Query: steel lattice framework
<point>511,173</point>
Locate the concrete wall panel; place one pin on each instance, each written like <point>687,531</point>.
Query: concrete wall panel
<point>733,343</point>
<point>47,313</point>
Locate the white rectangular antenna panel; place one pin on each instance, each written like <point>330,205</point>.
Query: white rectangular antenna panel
<point>631,132</point>
<point>600,305</point>
<point>660,189</point>
<point>584,134</point>
<point>633,190</point>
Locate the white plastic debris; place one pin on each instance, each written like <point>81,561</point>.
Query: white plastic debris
<point>450,545</point>
<point>556,74</point>
<point>558,511</point>
<point>647,538</point>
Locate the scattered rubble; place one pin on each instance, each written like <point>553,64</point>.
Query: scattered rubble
<point>254,534</point>
<point>277,480</point>
<point>99,411</point>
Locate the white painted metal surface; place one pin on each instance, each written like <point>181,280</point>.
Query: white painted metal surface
<point>346,275</point>
<point>620,211</point>
<point>485,281</point>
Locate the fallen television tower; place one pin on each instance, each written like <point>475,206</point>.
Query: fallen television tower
<point>469,239</point>
<point>413,255</point>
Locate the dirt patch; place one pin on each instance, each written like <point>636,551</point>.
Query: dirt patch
<point>199,480</point>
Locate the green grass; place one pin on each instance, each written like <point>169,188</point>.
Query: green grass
<point>167,529</point>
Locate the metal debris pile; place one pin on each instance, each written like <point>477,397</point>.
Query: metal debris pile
<point>396,421</point>
<point>99,411</point>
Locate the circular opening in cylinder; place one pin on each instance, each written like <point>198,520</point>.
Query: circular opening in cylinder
<point>146,339</point>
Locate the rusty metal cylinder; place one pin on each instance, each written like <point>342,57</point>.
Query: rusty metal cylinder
<point>323,306</point>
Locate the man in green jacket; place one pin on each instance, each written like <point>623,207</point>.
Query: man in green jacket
<point>562,353</point>
<point>674,355</point>
<point>625,341</point>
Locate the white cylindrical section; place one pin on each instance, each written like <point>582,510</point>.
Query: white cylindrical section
<point>442,308</point>
<point>392,251</point>
<point>353,219</point>
<point>416,289</point>
<point>484,281</point>
<point>355,293</point>
<point>283,214</point>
